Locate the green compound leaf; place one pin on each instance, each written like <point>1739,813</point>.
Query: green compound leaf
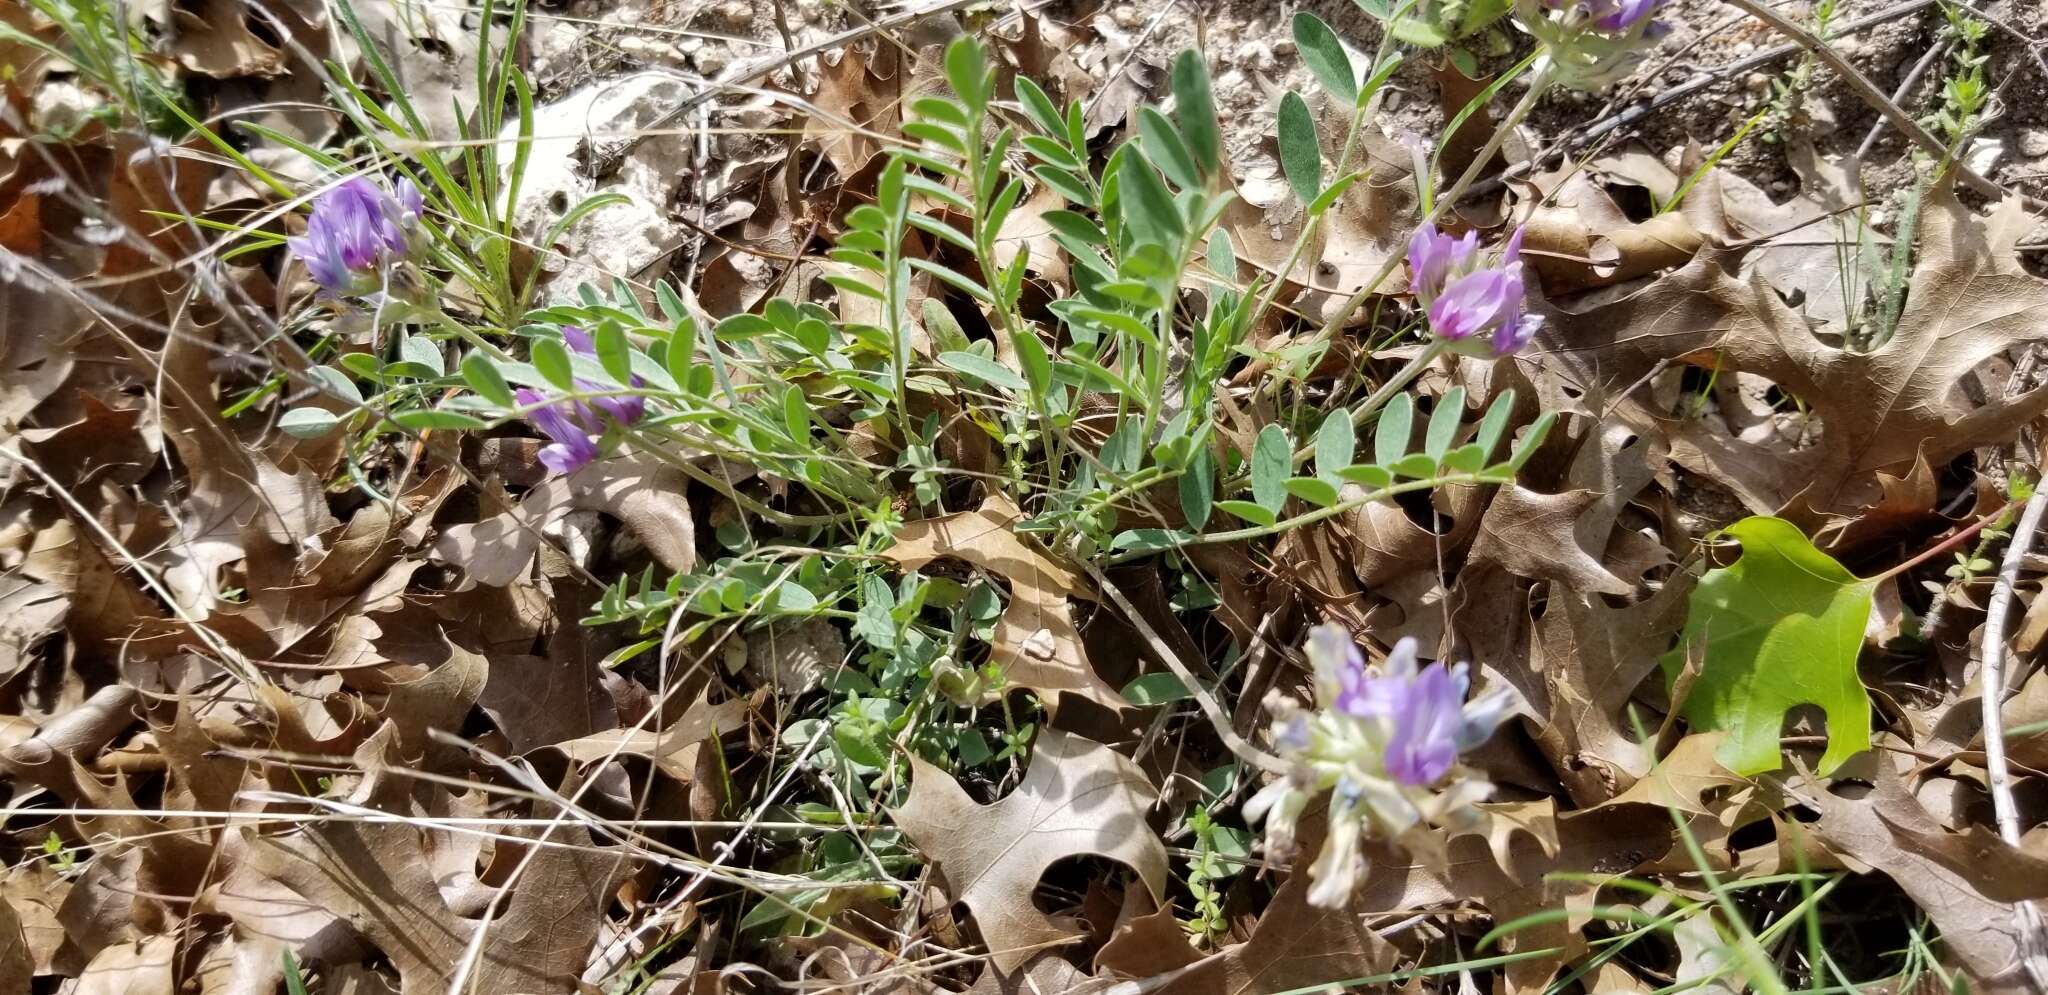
<point>1779,627</point>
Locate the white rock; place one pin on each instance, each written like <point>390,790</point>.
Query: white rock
<point>622,238</point>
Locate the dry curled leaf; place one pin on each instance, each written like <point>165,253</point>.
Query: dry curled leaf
<point>378,877</point>
<point>1036,644</point>
<point>1535,535</point>
<point>1878,412</point>
<point>1078,797</point>
<point>645,494</point>
<point>1982,933</point>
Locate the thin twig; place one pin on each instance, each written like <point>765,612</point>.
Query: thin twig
<point>1641,109</point>
<point>2033,943</point>
<point>1217,717</point>
<point>1870,93</point>
<point>1137,45</point>
<point>1899,95</point>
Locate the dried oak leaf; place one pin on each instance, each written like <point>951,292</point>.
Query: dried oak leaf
<point>1968,300</point>
<point>1535,535</point>
<point>1874,833</point>
<point>674,749</point>
<point>1578,237</point>
<point>34,892</point>
<point>139,968</point>
<point>30,611</point>
<point>1078,797</point>
<point>1294,946</point>
<point>213,37</point>
<point>103,604</point>
<point>1541,874</point>
<point>380,878</point>
<point>17,962</point>
<point>646,495</point>
<point>1591,658</point>
<point>1036,643</point>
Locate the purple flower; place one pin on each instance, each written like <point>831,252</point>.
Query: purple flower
<point>1432,256</point>
<point>574,431</point>
<point>573,425</point>
<point>355,230</point>
<point>1591,43</point>
<point>1384,742</point>
<point>1475,309</point>
<point>1421,711</point>
<point>1626,14</point>
<point>1426,719</point>
<point>626,410</point>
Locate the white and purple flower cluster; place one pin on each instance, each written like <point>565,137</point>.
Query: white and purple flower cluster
<point>573,425</point>
<point>1474,309</point>
<point>356,231</point>
<point>1593,42</point>
<point>1385,743</point>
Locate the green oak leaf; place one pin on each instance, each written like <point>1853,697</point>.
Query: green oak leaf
<point>1780,628</point>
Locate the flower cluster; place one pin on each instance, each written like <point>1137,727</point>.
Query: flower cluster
<point>1592,43</point>
<point>357,229</point>
<point>1474,309</point>
<point>573,425</point>
<point>1385,743</point>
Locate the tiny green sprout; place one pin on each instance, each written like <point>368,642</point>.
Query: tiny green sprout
<point>53,846</point>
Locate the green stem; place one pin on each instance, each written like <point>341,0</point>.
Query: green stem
<point>468,334</point>
<point>1310,518</point>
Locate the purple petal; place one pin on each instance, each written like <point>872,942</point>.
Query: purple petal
<point>579,340</point>
<point>566,458</point>
<point>624,410</point>
<point>1425,739</point>
<point>1472,304</point>
<point>322,260</point>
<point>1512,335</point>
<point>1434,256</point>
<point>410,203</point>
<point>1513,253</point>
<point>1482,715</point>
<point>1626,14</point>
<point>573,441</point>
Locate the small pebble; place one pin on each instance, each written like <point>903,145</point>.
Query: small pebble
<point>1756,82</point>
<point>1126,16</point>
<point>2034,142</point>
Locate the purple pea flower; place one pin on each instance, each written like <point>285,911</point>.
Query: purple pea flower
<point>1433,255</point>
<point>1591,43</point>
<point>626,410</point>
<point>1475,310</point>
<point>1384,742</point>
<point>574,426</point>
<point>1626,14</point>
<point>356,229</point>
<point>571,427</point>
